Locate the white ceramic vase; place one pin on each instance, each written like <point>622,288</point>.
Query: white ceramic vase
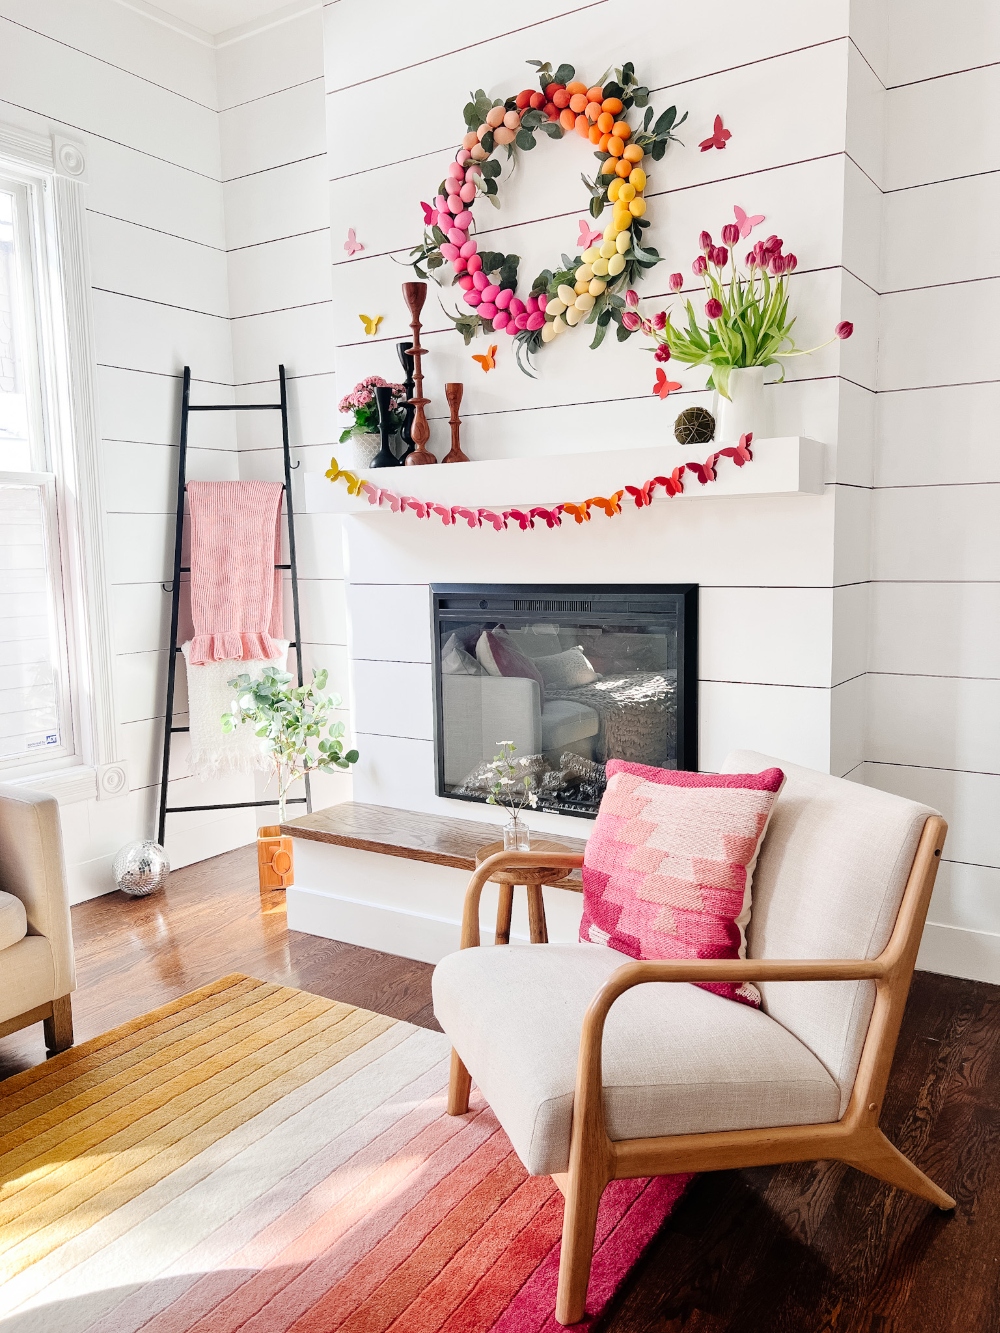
<point>745,410</point>
<point>359,449</point>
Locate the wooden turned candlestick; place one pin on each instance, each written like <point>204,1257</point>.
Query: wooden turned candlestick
<point>414,294</point>
<point>453,393</point>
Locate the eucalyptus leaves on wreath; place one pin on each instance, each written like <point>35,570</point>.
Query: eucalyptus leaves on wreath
<point>291,721</point>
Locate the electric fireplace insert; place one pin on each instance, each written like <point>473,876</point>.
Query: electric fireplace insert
<point>572,675</point>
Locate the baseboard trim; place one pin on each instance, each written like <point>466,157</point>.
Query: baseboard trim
<point>956,952</point>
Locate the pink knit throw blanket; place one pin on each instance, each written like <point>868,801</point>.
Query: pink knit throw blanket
<point>235,589</point>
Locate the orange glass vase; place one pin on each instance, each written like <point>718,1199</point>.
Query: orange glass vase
<point>275,859</point>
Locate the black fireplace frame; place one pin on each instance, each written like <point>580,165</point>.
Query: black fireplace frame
<point>499,597</point>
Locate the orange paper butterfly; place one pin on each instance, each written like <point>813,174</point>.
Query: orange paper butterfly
<point>488,362</point>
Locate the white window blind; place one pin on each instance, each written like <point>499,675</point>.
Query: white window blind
<point>31,691</point>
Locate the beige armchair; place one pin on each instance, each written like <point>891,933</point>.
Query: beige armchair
<point>36,942</point>
<point>598,1071</point>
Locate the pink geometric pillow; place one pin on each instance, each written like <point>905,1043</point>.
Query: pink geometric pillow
<point>667,870</point>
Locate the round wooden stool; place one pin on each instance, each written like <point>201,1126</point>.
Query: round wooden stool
<point>532,877</point>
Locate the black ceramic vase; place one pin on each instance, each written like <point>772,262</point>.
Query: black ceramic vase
<point>385,457</point>
<point>406,361</point>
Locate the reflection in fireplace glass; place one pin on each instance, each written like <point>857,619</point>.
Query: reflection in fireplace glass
<point>573,676</point>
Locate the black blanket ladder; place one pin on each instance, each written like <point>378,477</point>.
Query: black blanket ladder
<point>169,730</point>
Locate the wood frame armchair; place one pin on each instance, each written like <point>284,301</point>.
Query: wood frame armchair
<point>855,1138</point>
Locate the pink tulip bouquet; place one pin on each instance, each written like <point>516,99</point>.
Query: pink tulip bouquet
<point>746,313</point>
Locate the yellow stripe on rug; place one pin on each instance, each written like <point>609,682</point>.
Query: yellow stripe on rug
<point>50,1191</point>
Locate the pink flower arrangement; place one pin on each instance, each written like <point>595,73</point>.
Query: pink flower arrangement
<point>361,401</point>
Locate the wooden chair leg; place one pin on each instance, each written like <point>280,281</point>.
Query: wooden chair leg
<point>459,1086</point>
<point>583,1198</point>
<point>884,1161</point>
<point>505,907</point>
<point>59,1028</point>
<point>537,929</point>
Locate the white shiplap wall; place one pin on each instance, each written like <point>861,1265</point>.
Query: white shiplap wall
<point>141,99</point>
<point>933,688</point>
<point>783,637</point>
<point>273,135</point>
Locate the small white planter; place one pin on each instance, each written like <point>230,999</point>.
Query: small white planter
<point>358,451</point>
<point>745,410</point>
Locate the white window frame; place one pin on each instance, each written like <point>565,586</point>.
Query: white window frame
<point>54,169</point>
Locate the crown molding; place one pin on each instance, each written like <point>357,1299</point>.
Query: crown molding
<point>273,19</point>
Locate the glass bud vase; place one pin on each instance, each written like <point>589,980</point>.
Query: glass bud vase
<point>516,836</point>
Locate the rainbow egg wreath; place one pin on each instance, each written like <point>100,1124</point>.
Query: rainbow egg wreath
<point>583,289</point>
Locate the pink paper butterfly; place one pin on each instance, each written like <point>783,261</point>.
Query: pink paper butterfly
<point>352,245</point>
<point>470,515</point>
<point>419,507</point>
<point>392,500</point>
<point>371,493</point>
<point>444,514</point>
<point>587,237</point>
<point>498,521</point>
<point>429,212</point>
<point>746,222</point>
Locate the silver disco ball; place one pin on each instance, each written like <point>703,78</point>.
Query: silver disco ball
<point>140,868</point>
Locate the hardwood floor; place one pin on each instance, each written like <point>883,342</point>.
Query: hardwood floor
<point>815,1248</point>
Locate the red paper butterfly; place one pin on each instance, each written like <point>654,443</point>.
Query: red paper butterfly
<point>663,386</point>
<point>642,495</point>
<point>705,472</point>
<point>717,139</point>
<point>580,512</point>
<point>470,515</point>
<point>352,245</point>
<point>674,484</point>
<point>745,222</point>
<point>740,454</point>
<point>419,507</point>
<point>498,521</point>
<point>522,520</point>
<point>551,516</point>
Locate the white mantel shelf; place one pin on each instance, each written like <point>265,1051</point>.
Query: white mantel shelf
<point>791,465</point>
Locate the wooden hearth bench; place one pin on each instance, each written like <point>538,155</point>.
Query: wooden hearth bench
<point>395,880</point>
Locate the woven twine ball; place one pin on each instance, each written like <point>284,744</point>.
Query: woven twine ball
<point>695,425</point>
<point>140,868</point>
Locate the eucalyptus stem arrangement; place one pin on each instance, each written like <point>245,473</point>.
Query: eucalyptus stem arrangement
<point>291,721</point>
<point>748,322</point>
<point>513,790</point>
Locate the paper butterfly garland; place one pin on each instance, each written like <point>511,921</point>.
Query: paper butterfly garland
<point>587,238</point>
<point>522,520</point>
<point>717,139</point>
<point>489,360</point>
<point>371,324</point>
<point>663,386</point>
<point>352,245</point>
<point>746,223</point>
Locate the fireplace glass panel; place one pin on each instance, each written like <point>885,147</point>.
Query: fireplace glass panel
<point>572,677</point>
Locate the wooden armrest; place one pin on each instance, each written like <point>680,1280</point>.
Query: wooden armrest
<point>505,861</point>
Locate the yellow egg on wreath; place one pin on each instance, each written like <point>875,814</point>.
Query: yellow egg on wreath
<point>615,118</point>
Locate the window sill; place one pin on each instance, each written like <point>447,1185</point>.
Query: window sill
<point>67,785</point>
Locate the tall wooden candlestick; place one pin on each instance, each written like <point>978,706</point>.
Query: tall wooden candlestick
<point>453,392</point>
<point>414,294</point>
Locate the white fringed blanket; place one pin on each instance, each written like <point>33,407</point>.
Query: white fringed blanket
<point>209,696</point>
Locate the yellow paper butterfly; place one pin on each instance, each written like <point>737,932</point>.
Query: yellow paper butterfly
<point>353,482</point>
<point>371,324</point>
<point>488,362</point>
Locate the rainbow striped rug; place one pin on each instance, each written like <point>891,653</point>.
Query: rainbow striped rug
<point>254,1158</point>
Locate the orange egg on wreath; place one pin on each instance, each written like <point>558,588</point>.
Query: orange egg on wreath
<point>586,288</point>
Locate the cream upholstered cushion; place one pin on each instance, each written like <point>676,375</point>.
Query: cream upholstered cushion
<point>27,976</point>
<point>828,884</point>
<point>677,1059</point>
<point>13,920</point>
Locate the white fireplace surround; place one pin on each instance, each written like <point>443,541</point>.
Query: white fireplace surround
<point>759,543</point>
